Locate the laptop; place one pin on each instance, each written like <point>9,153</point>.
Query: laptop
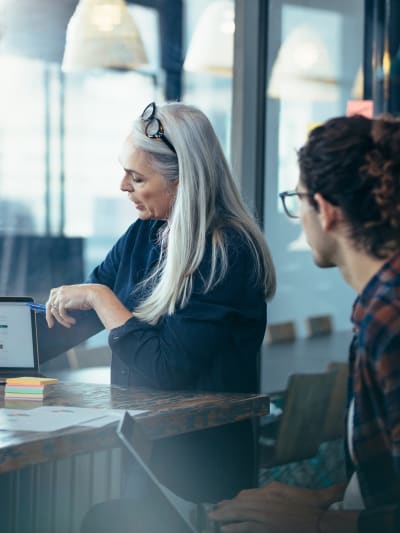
<point>170,505</point>
<point>18,340</point>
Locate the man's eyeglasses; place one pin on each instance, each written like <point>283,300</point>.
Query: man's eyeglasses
<point>291,202</point>
<point>153,128</point>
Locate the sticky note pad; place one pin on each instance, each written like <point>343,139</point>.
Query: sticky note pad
<point>32,380</point>
<point>360,107</point>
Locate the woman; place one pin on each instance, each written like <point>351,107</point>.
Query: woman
<point>183,291</point>
<point>348,201</point>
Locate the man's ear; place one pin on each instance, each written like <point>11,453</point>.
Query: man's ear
<point>328,213</point>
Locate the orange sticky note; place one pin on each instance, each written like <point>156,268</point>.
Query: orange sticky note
<point>360,107</point>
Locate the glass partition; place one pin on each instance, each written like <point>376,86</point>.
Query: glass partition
<point>208,49</point>
<point>315,51</point>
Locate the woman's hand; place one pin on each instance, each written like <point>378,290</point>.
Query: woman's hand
<point>68,297</point>
<point>110,310</point>
<point>275,508</point>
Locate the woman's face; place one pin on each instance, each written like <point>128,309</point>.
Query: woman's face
<point>151,193</point>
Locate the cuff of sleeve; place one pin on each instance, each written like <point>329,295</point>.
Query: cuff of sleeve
<point>133,324</point>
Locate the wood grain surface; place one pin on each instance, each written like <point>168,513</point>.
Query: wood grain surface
<point>169,413</point>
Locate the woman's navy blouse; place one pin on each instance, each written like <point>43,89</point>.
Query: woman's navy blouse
<point>211,344</point>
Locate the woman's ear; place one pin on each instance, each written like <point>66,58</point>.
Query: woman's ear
<point>173,187</point>
<point>328,213</point>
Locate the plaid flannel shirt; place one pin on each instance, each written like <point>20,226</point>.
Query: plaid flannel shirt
<point>375,384</point>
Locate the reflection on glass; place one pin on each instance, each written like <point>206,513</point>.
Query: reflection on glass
<point>303,69</point>
<point>208,65</point>
<point>310,92</point>
<point>315,51</point>
<point>211,45</point>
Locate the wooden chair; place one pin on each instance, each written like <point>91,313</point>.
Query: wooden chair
<point>280,332</point>
<point>297,433</point>
<point>334,419</point>
<point>319,325</point>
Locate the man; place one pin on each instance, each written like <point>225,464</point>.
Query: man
<point>348,201</point>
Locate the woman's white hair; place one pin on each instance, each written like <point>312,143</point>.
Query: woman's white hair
<point>207,201</point>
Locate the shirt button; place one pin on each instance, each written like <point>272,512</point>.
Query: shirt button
<point>124,372</point>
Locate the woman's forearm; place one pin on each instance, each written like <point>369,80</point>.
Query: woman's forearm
<point>108,307</point>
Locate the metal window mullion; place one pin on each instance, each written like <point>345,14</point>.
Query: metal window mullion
<point>249,101</point>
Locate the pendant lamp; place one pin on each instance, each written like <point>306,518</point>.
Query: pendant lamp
<point>303,70</point>
<point>211,47</point>
<point>102,34</point>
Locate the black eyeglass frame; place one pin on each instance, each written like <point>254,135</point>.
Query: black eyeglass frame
<point>149,118</point>
<point>285,194</point>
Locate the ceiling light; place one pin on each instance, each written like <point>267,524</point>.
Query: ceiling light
<point>102,34</point>
<point>303,70</point>
<point>211,46</point>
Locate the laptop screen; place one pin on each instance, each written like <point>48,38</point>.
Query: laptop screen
<point>18,347</point>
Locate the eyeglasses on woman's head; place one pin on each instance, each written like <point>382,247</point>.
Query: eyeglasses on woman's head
<point>291,202</point>
<point>153,127</point>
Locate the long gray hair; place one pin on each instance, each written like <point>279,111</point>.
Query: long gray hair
<point>207,201</point>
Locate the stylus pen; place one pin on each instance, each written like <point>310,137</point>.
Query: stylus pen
<point>39,308</point>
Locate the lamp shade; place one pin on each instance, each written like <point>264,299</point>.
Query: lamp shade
<point>211,46</point>
<point>303,70</point>
<point>102,34</point>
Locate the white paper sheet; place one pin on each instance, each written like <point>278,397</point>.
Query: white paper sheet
<point>54,418</point>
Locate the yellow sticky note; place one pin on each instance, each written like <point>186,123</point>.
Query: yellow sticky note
<point>32,380</point>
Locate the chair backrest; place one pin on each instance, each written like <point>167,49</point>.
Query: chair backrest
<point>319,325</point>
<point>304,410</point>
<point>280,332</point>
<point>334,420</point>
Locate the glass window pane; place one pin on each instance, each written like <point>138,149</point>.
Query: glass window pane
<point>60,134</point>
<point>60,137</point>
<point>22,146</point>
<point>99,110</point>
<point>315,51</point>
<point>209,31</point>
